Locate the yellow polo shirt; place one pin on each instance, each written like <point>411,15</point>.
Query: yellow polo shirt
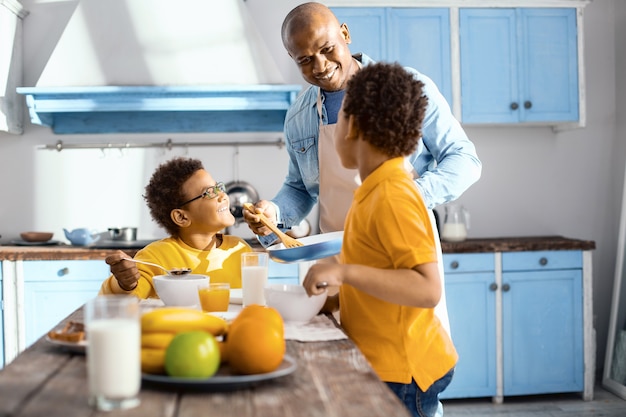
<point>222,264</point>
<point>388,227</point>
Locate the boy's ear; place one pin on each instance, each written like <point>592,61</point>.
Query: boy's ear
<point>353,129</point>
<point>179,217</point>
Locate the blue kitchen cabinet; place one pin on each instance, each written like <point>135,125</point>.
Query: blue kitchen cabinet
<point>283,273</point>
<point>54,289</point>
<point>414,37</point>
<point>519,65</point>
<point>470,295</point>
<point>542,322</point>
<point>517,323</point>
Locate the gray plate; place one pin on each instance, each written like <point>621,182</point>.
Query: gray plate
<point>315,247</point>
<point>224,380</point>
<point>69,346</point>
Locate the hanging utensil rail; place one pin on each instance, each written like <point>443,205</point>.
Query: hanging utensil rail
<point>169,145</point>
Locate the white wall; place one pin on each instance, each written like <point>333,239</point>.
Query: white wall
<point>535,181</point>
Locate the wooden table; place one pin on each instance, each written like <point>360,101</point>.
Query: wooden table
<point>333,378</point>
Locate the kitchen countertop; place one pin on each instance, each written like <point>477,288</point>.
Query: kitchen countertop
<point>502,244</point>
<point>516,244</point>
<point>56,252</point>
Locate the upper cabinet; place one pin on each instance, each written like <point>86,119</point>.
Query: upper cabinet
<point>414,37</point>
<point>519,65</point>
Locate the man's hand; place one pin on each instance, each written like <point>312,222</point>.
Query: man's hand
<point>125,272</point>
<point>265,208</point>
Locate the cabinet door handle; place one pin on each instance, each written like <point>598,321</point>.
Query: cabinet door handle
<point>514,106</point>
<point>63,271</point>
<point>454,264</point>
<point>528,104</point>
<point>506,287</point>
<point>543,261</point>
<point>493,286</point>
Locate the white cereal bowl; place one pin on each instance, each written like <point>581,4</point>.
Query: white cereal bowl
<point>179,290</point>
<point>293,303</point>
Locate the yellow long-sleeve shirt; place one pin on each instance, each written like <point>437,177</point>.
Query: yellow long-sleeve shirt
<point>222,264</point>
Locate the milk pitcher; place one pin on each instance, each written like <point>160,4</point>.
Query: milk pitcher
<point>455,223</point>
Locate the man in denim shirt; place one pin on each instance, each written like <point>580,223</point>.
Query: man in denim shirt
<point>445,163</point>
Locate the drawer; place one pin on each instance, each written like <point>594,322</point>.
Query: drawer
<point>468,262</point>
<point>66,270</point>
<point>538,260</point>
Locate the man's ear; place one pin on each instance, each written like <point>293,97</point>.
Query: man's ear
<point>346,33</point>
<point>179,217</point>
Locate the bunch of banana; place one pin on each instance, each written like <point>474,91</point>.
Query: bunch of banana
<point>159,326</point>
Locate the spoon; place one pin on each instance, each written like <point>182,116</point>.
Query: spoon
<point>175,271</point>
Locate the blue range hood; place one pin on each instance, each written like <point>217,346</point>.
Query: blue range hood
<point>147,109</point>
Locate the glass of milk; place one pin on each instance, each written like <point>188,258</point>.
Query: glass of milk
<point>254,270</point>
<point>112,324</point>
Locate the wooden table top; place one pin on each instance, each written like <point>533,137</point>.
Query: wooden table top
<point>332,378</point>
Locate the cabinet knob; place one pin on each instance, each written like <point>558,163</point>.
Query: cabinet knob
<point>528,104</point>
<point>506,287</point>
<point>543,261</point>
<point>514,106</point>
<point>454,264</point>
<point>63,271</point>
<point>493,286</point>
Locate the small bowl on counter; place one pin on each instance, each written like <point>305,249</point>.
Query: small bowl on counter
<point>179,290</point>
<point>36,236</point>
<point>293,303</point>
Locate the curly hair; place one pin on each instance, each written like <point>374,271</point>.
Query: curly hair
<point>164,191</point>
<point>388,105</point>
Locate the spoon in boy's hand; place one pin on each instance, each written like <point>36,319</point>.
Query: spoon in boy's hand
<point>175,271</point>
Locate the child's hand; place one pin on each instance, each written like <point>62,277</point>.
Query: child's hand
<point>125,272</point>
<point>323,275</point>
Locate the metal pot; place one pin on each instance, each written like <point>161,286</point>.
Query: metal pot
<point>127,234</point>
<point>239,193</point>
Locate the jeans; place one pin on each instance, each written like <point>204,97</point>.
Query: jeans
<point>422,404</point>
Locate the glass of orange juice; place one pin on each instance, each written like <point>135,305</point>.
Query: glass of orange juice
<point>214,296</point>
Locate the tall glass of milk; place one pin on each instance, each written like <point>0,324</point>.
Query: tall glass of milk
<point>112,323</point>
<point>254,270</point>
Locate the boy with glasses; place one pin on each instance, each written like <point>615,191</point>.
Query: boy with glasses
<point>193,208</point>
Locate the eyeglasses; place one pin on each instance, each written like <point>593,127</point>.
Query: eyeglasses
<point>210,193</point>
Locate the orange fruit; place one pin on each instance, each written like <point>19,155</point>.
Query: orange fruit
<point>267,315</point>
<point>223,351</point>
<point>193,354</point>
<point>255,346</point>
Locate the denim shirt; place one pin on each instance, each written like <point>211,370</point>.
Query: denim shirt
<point>445,159</point>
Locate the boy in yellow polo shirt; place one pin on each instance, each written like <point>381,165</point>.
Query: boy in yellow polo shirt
<point>388,276</point>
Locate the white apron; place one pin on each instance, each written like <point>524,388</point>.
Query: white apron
<point>337,185</point>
